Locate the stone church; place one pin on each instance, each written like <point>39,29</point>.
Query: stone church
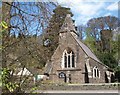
<point>73,61</point>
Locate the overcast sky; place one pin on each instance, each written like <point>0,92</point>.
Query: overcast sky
<point>84,10</point>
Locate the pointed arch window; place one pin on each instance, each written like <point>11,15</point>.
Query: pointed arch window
<point>73,60</point>
<point>65,60</point>
<point>68,59</point>
<point>96,72</point>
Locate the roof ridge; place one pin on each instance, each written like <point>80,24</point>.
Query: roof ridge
<point>94,57</point>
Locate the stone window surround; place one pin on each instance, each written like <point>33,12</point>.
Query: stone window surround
<point>96,72</point>
<point>71,59</point>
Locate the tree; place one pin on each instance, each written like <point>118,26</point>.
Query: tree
<point>52,32</point>
<point>18,18</point>
<point>90,40</point>
<point>102,23</point>
<point>100,39</point>
<point>81,31</point>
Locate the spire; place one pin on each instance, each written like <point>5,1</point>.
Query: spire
<point>68,25</point>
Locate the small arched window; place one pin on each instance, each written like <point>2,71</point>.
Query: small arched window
<point>68,59</point>
<point>96,72</point>
<point>62,75</point>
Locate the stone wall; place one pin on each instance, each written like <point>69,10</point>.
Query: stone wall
<point>102,70</point>
<point>78,73</point>
<point>72,87</point>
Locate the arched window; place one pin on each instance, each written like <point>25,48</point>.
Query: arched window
<point>62,75</point>
<point>73,60</point>
<point>65,60</point>
<point>96,72</point>
<point>68,58</point>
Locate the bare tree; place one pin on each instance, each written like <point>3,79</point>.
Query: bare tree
<point>23,20</point>
<point>81,31</point>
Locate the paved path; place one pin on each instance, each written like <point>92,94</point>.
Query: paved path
<point>89,84</point>
<point>79,91</point>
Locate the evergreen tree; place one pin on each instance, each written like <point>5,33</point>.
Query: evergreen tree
<point>51,38</point>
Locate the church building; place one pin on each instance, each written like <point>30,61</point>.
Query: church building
<point>73,61</point>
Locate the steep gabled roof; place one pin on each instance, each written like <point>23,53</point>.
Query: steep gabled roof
<point>86,49</point>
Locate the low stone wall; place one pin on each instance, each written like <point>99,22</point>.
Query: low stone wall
<point>113,86</point>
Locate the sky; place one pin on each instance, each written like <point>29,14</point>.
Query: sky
<point>84,10</point>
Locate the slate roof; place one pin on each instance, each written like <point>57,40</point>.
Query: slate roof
<point>86,50</point>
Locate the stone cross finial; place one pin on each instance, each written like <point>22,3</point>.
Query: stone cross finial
<point>68,15</point>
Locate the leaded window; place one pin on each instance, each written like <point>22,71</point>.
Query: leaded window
<point>96,72</point>
<point>68,59</point>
